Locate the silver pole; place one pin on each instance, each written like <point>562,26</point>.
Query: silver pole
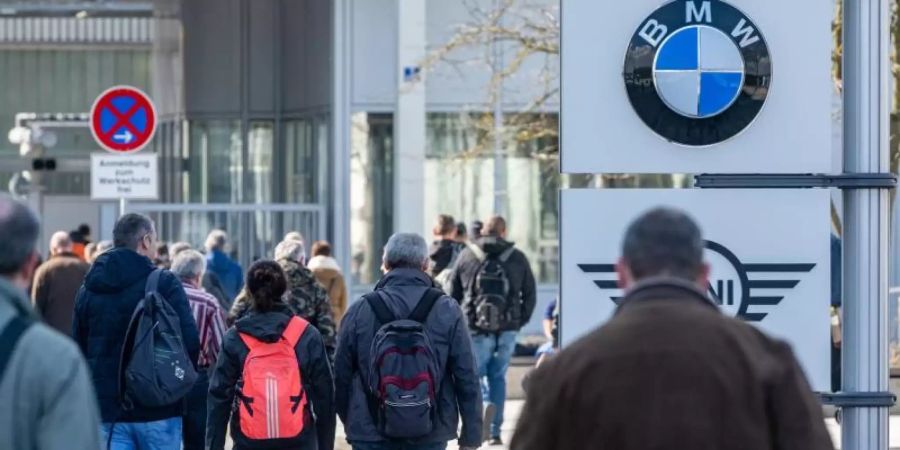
<point>123,206</point>
<point>865,243</point>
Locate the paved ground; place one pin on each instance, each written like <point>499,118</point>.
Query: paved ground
<point>514,407</point>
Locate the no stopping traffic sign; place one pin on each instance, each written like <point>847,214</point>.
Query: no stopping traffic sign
<point>123,119</point>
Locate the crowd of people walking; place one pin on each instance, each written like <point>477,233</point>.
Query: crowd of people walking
<point>152,346</point>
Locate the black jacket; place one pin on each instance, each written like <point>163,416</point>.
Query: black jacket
<point>522,287</point>
<point>459,392</point>
<point>671,371</point>
<point>442,254</point>
<point>315,371</point>
<point>112,289</point>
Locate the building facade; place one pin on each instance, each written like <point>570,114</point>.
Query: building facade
<point>282,115</point>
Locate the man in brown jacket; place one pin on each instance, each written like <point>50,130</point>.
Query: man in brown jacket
<point>669,371</point>
<point>56,284</point>
<point>328,273</point>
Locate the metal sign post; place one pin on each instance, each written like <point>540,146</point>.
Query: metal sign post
<point>866,138</point>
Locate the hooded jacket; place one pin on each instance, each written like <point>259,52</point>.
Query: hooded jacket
<point>443,254</point>
<point>112,290</point>
<point>670,371</point>
<point>522,286</point>
<point>304,298</point>
<point>459,393</point>
<point>48,398</point>
<point>315,372</point>
<point>229,272</point>
<point>328,273</point>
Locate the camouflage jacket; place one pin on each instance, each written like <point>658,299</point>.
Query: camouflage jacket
<point>305,298</point>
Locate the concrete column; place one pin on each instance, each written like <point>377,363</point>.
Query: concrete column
<point>409,121</point>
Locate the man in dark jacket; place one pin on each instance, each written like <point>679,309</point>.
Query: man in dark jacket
<point>56,283</point>
<point>444,249</point>
<point>405,260</point>
<point>669,370</point>
<point>112,289</point>
<point>228,272</point>
<point>494,342</point>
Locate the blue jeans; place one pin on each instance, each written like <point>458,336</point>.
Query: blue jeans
<point>394,446</point>
<point>159,435</point>
<point>493,353</point>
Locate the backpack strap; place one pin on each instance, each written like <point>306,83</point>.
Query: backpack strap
<point>152,281</point>
<point>10,336</point>
<point>150,288</point>
<point>382,313</point>
<point>250,341</point>
<point>426,304</point>
<point>295,328</point>
<point>504,257</point>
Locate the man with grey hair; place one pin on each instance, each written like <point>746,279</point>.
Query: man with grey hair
<point>48,400</point>
<point>113,288</point>
<point>56,284</point>
<point>669,370</point>
<point>457,391</point>
<point>189,266</point>
<point>226,270</point>
<point>304,298</point>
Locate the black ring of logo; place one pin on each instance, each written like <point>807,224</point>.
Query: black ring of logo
<point>641,88</point>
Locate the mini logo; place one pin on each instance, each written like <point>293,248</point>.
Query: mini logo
<point>730,285</point>
<point>179,373</point>
<point>697,72</point>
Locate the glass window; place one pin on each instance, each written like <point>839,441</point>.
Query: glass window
<point>259,162</point>
<point>299,170</point>
<point>371,192</point>
<point>215,164</point>
<point>462,181</point>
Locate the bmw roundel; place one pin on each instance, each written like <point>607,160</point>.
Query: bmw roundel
<point>697,72</point>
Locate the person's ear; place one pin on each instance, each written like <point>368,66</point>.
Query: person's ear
<point>31,265</point>
<point>703,277</point>
<point>625,277</point>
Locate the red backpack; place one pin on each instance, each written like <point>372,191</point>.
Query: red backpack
<point>272,402</point>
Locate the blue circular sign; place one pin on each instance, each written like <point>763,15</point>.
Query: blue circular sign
<point>697,72</point>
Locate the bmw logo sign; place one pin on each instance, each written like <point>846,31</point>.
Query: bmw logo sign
<point>697,72</point>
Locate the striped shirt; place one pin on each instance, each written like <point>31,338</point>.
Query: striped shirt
<point>210,319</point>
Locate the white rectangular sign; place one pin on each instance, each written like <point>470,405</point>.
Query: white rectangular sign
<point>124,176</point>
<point>696,86</point>
<point>769,251</point>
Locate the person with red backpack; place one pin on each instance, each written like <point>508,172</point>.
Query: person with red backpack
<point>272,379</point>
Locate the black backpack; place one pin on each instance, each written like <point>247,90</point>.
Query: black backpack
<point>490,308</point>
<point>403,376</point>
<point>155,369</point>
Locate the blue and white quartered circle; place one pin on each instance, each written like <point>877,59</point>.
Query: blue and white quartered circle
<point>697,72</point>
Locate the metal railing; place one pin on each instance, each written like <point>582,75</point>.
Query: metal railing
<point>254,230</point>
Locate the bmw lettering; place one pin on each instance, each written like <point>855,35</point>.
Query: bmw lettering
<point>697,72</point>
<point>746,291</point>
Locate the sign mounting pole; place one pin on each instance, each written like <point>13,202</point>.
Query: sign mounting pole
<point>865,352</point>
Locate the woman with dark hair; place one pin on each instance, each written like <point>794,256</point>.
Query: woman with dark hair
<point>272,379</point>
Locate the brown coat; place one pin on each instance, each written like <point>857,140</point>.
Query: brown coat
<point>56,284</point>
<point>668,371</point>
<point>328,274</point>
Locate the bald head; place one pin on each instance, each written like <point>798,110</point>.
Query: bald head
<point>60,243</point>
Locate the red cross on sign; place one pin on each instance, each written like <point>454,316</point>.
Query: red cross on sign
<point>123,119</point>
